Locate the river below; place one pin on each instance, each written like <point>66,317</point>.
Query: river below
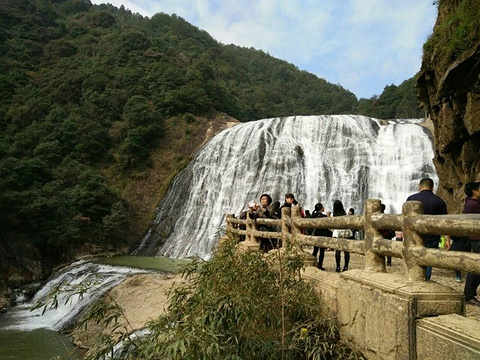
<point>39,344</point>
<point>26,335</point>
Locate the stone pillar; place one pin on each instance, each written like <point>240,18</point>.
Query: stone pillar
<point>250,242</point>
<point>250,229</point>
<point>373,261</point>
<point>230,225</point>
<point>295,211</point>
<point>308,258</point>
<point>412,240</point>
<point>285,228</point>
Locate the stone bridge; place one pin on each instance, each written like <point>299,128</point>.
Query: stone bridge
<point>387,315</point>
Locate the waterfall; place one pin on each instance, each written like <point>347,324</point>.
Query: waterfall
<point>318,158</point>
<point>100,277</point>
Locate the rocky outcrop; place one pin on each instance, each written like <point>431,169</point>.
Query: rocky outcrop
<point>450,92</point>
<point>141,297</point>
<point>19,265</point>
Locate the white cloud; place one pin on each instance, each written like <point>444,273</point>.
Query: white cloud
<point>361,44</point>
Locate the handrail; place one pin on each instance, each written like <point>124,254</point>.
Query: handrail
<point>269,222</point>
<point>336,243</point>
<point>459,225</point>
<point>413,222</point>
<point>387,221</point>
<point>343,222</point>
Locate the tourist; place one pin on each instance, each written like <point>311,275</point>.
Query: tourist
<point>289,202</point>
<point>351,211</point>
<point>308,215</point>
<point>460,243</point>
<point>339,210</point>
<point>266,210</point>
<point>386,234</point>
<point>432,205</point>
<point>278,214</point>
<point>318,213</point>
<point>472,206</point>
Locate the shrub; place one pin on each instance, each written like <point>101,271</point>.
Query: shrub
<point>241,305</point>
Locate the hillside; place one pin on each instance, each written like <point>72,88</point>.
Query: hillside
<point>395,102</point>
<point>100,108</point>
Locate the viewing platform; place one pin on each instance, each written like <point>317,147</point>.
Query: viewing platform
<point>387,312</point>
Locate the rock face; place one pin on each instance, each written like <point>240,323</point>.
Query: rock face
<point>450,92</point>
<point>142,298</point>
<point>19,265</point>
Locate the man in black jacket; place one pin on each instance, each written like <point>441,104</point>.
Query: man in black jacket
<point>318,213</point>
<point>432,205</point>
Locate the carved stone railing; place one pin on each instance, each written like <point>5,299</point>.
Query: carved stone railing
<point>413,222</point>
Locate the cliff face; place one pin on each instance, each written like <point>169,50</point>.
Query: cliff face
<point>449,89</point>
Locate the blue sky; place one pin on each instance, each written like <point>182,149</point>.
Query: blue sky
<point>362,45</point>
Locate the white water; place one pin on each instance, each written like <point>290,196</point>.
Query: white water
<point>318,158</point>
<point>104,277</point>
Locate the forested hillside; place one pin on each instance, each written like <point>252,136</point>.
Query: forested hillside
<point>87,94</point>
<point>396,102</point>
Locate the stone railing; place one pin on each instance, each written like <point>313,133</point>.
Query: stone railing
<point>413,222</point>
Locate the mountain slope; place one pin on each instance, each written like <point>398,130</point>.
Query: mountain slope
<point>100,106</point>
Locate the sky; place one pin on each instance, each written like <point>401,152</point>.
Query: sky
<point>363,45</point>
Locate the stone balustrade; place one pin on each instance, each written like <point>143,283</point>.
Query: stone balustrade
<point>386,316</point>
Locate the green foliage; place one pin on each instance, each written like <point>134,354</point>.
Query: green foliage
<point>395,102</point>
<point>242,305</point>
<point>239,305</point>
<point>457,31</point>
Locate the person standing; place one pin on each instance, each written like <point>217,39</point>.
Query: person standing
<point>318,213</point>
<point>432,205</point>
<point>386,234</point>
<point>339,210</point>
<point>289,202</point>
<point>266,210</point>
<point>472,206</point>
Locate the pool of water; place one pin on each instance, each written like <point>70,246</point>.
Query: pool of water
<point>40,344</point>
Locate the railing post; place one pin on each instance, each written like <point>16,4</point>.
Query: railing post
<point>295,211</point>
<point>286,214</point>
<point>373,261</point>
<point>229,225</point>
<point>250,229</point>
<point>412,239</point>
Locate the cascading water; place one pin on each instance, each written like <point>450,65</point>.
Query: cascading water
<point>100,277</point>
<point>318,158</point>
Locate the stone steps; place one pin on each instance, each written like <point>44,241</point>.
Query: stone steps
<point>448,337</point>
